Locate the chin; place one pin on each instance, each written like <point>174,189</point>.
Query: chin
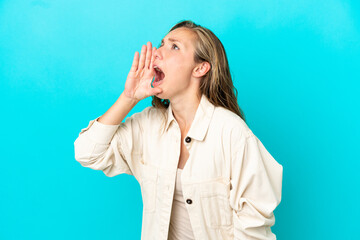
<point>160,95</point>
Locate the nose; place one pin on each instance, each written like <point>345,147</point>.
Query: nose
<point>157,54</point>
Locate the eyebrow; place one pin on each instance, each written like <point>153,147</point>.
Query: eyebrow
<point>171,40</point>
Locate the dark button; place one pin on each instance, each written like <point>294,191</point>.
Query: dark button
<point>187,139</point>
<point>189,201</point>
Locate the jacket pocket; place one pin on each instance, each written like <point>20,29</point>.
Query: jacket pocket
<point>216,205</point>
<point>148,183</point>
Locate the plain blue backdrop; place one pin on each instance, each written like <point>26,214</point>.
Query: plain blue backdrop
<point>63,63</point>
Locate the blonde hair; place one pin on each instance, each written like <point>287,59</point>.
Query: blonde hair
<point>216,84</point>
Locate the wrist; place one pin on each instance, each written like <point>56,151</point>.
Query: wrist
<point>128,99</point>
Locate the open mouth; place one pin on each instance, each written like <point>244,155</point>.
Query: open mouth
<point>159,76</point>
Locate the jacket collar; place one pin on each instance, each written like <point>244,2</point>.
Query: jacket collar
<point>201,120</point>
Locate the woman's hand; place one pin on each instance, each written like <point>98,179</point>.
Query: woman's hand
<point>138,82</point>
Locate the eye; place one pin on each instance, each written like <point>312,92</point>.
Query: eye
<point>175,46</point>
<point>171,47</point>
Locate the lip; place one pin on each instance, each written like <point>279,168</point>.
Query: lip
<point>155,84</point>
<point>157,67</point>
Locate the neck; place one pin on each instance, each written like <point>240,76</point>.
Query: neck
<point>184,108</point>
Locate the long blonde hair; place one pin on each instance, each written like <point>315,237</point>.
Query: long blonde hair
<point>216,84</point>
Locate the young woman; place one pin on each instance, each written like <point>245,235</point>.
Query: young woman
<point>203,173</point>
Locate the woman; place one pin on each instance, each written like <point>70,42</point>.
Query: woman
<point>203,173</point>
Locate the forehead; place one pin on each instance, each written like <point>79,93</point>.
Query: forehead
<point>184,36</point>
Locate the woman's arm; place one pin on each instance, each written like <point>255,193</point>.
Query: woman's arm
<point>111,147</point>
<point>256,180</point>
<point>107,143</point>
<point>118,111</point>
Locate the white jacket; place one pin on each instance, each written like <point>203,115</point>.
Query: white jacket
<point>231,184</point>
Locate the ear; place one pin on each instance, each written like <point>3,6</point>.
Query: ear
<point>201,69</point>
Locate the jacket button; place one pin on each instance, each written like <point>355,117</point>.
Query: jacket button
<point>188,201</point>
<point>187,139</point>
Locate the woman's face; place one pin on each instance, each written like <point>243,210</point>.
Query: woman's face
<point>175,57</point>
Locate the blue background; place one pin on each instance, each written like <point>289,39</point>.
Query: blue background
<point>62,63</point>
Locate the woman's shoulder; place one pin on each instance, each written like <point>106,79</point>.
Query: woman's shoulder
<point>149,113</point>
<point>230,121</point>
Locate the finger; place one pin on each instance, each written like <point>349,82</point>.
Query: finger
<point>148,55</point>
<point>152,58</point>
<point>142,57</point>
<point>135,62</point>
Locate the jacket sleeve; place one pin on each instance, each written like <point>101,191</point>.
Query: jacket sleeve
<point>114,149</point>
<point>256,182</point>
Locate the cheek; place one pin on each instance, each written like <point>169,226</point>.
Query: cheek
<point>180,74</point>
<point>181,70</point>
